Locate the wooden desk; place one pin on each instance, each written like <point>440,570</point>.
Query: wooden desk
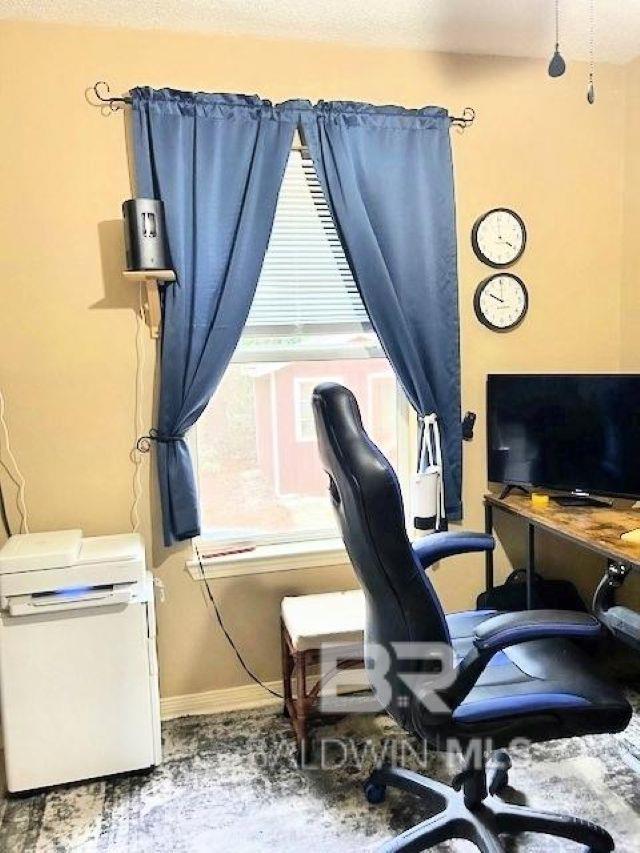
<point>594,528</point>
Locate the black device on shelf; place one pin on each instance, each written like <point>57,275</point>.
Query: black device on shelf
<point>574,433</point>
<point>144,234</point>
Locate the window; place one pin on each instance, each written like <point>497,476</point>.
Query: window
<point>255,449</point>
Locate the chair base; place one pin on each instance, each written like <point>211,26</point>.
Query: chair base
<point>475,816</point>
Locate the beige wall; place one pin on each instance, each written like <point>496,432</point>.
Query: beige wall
<point>630,315</point>
<point>67,323</point>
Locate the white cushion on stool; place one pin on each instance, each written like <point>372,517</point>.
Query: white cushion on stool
<point>335,618</point>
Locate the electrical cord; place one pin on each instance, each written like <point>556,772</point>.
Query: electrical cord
<point>17,479</point>
<point>3,505</point>
<point>3,513</point>
<point>251,674</point>
<point>136,456</point>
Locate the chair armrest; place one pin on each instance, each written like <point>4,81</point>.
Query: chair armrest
<point>623,623</point>
<point>509,629</point>
<point>435,547</point>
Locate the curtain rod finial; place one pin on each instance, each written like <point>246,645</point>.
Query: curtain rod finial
<point>103,94</point>
<point>466,119</point>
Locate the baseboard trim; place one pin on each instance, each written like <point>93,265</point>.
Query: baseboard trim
<point>220,701</point>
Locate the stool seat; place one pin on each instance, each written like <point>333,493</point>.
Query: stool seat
<point>330,618</point>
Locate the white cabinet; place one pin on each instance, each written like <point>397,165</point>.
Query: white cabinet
<point>78,670</point>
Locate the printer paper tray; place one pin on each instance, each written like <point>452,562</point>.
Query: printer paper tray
<point>31,605</point>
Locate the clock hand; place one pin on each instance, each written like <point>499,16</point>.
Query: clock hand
<point>497,298</point>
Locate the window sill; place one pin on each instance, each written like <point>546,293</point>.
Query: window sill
<point>272,558</point>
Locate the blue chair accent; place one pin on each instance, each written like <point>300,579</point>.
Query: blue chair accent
<point>516,675</point>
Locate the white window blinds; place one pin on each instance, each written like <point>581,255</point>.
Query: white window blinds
<point>305,284</point>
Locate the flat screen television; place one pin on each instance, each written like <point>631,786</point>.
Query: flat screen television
<point>571,433</point>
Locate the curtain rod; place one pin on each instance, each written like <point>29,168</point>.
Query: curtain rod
<point>119,102</point>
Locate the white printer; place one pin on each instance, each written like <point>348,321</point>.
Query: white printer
<point>78,665</point>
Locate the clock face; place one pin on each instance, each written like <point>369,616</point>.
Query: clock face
<point>499,237</point>
<point>501,302</point>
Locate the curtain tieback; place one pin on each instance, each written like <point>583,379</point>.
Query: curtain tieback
<point>143,444</point>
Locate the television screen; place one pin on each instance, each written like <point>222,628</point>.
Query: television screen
<point>572,432</point>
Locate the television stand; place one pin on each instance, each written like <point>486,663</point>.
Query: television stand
<point>582,499</point>
<point>512,487</point>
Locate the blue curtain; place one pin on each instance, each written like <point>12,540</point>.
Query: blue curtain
<point>217,162</point>
<point>388,176</point>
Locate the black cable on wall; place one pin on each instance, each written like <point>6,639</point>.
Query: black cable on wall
<point>3,513</point>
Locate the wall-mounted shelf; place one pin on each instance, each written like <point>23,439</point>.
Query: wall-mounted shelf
<point>151,278</point>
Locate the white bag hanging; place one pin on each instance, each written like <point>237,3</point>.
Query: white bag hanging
<point>427,486</point>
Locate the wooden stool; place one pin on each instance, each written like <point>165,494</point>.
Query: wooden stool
<point>309,622</point>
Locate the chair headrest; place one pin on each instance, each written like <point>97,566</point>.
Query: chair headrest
<point>337,417</point>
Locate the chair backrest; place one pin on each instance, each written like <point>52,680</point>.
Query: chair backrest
<point>402,606</point>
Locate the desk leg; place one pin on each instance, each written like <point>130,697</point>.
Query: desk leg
<point>531,564</point>
<point>488,555</point>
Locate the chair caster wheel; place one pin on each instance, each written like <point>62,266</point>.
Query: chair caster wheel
<point>374,793</point>
<point>499,781</point>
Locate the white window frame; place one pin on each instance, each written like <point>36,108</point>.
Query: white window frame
<point>370,382</point>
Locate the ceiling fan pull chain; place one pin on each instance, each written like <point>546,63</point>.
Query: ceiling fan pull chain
<point>557,66</point>
<point>591,92</point>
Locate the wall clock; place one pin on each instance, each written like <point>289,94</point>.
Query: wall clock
<point>498,237</point>
<point>501,302</point>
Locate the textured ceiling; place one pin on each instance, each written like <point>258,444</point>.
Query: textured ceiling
<point>502,27</point>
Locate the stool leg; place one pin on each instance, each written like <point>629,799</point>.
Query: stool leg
<point>301,724</point>
<point>287,670</point>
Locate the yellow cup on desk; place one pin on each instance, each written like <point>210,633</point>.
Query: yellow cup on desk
<point>539,501</point>
<point>632,536</point>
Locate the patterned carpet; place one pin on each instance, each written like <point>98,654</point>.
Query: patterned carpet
<point>229,783</point>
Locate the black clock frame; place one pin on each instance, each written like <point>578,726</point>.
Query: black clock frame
<point>474,237</point>
<point>476,303</point>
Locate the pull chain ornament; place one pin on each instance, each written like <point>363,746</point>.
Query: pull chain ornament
<point>591,92</point>
<point>557,66</point>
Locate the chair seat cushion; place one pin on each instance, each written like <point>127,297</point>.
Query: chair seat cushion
<point>333,618</point>
<point>541,677</point>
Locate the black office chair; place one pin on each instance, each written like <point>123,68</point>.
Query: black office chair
<point>517,675</point>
